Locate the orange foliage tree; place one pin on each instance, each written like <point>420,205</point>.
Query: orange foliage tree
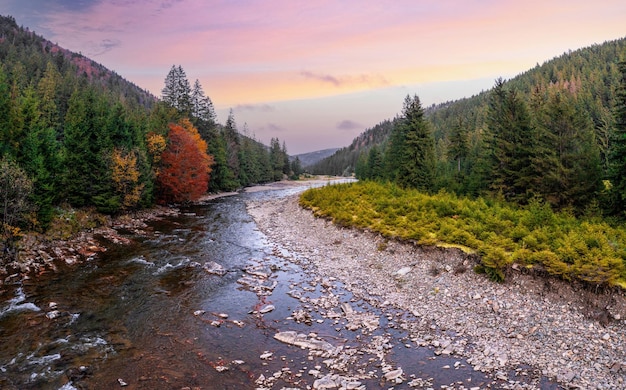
<point>185,165</point>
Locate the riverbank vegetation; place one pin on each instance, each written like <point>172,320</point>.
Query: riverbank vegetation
<point>502,234</point>
<point>74,134</point>
<point>532,172</point>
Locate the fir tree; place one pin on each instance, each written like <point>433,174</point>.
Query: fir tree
<point>416,165</point>
<point>617,172</point>
<point>511,142</point>
<point>177,91</point>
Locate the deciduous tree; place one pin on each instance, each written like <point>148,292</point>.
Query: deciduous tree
<point>185,165</point>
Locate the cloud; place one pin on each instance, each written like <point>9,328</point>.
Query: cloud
<point>326,78</point>
<point>255,107</point>
<point>103,46</point>
<point>361,79</point>
<point>348,125</point>
<point>275,128</point>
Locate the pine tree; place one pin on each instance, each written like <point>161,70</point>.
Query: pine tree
<point>393,152</point>
<point>617,172</point>
<point>296,168</point>
<point>201,106</point>
<point>375,163</point>
<point>87,179</point>
<point>277,160</point>
<point>417,155</point>
<point>286,162</point>
<point>458,148</point>
<point>233,145</point>
<point>511,142</point>
<point>567,155</point>
<point>177,91</point>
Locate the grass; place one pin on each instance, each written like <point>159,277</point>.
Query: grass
<point>535,237</point>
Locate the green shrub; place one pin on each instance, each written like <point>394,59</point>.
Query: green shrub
<point>587,250</point>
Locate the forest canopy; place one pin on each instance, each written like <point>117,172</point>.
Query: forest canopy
<point>75,134</point>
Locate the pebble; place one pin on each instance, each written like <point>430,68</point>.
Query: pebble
<point>525,321</point>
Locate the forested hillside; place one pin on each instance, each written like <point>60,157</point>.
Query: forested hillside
<point>529,174</point>
<point>74,134</point>
<point>308,159</point>
<point>344,160</point>
<point>547,132</point>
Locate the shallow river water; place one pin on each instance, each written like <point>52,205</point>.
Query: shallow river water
<point>150,315</point>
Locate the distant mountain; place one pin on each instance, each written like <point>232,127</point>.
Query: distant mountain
<point>308,159</point>
<point>343,161</point>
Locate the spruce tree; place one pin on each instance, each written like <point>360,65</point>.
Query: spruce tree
<point>177,91</point>
<point>617,172</point>
<point>417,154</point>
<point>375,168</point>
<point>568,156</point>
<point>201,106</point>
<point>511,144</point>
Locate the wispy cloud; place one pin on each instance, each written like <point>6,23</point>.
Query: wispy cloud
<point>371,80</point>
<point>98,48</point>
<point>275,128</point>
<point>348,125</point>
<point>254,107</point>
<point>326,78</point>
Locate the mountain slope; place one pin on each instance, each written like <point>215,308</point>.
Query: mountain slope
<point>308,159</point>
<point>22,51</point>
<point>590,73</point>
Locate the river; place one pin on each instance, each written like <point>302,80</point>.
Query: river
<point>160,313</point>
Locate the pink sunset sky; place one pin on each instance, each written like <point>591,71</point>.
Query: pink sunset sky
<point>316,74</point>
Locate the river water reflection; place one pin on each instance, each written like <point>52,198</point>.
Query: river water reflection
<point>150,316</point>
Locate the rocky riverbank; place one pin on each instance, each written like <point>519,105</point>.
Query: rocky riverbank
<point>529,325</point>
<point>39,253</point>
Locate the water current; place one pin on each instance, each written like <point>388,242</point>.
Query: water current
<point>150,315</point>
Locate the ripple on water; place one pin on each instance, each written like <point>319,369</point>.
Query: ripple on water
<point>15,304</point>
<point>141,260</point>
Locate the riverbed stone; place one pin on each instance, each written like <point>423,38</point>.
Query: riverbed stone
<point>521,322</point>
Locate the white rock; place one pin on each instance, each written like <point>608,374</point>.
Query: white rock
<point>266,355</point>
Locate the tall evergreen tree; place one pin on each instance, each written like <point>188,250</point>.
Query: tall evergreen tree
<point>87,179</point>
<point>201,106</point>
<point>417,154</point>
<point>233,144</point>
<point>458,148</point>
<point>375,168</point>
<point>569,161</point>
<point>617,172</point>
<point>177,90</point>
<point>393,151</point>
<point>511,141</point>
<point>277,160</point>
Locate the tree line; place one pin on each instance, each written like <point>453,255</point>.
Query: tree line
<point>554,134</point>
<point>73,134</point>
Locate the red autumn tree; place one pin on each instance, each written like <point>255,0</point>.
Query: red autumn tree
<point>185,165</point>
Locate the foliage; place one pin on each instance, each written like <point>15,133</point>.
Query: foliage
<point>411,151</point>
<point>546,133</point>
<point>125,176</point>
<point>185,165</point>
<point>15,189</point>
<point>617,156</point>
<point>534,236</point>
<point>87,138</point>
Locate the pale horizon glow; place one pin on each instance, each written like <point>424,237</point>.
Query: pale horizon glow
<point>316,74</point>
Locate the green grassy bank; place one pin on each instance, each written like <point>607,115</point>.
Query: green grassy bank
<point>588,250</point>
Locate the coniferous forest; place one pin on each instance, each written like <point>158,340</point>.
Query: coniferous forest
<point>555,132</point>
<point>74,134</point>
<point>531,173</point>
